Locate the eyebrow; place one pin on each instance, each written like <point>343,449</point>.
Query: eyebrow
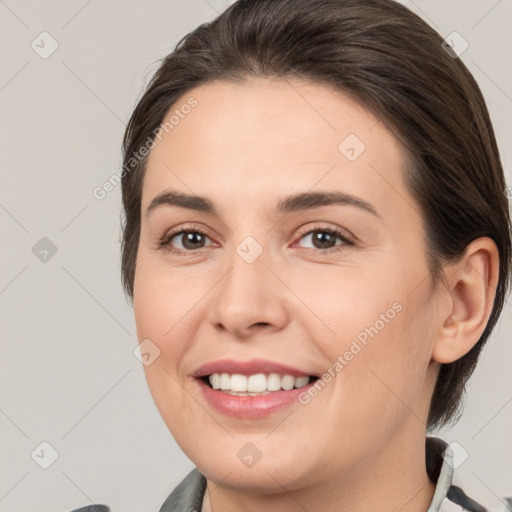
<point>297,202</point>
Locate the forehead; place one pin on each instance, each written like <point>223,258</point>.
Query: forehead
<point>261,139</point>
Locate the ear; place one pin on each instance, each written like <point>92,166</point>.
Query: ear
<point>471,288</point>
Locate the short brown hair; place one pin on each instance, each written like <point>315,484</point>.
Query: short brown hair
<point>394,64</point>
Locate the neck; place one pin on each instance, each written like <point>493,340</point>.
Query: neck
<point>385,480</point>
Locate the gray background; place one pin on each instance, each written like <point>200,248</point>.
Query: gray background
<point>69,376</point>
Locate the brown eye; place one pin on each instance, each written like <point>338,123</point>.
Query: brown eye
<point>191,239</point>
<point>325,238</point>
<point>184,241</point>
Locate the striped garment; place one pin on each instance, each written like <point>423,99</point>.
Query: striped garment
<point>188,494</point>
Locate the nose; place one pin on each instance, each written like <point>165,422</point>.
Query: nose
<point>250,297</point>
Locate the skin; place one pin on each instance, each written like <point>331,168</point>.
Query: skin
<point>359,444</point>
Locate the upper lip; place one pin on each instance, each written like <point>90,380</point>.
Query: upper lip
<point>250,367</point>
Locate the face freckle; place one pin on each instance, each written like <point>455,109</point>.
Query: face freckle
<point>250,292</point>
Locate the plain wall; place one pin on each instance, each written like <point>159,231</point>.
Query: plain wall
<point>68,373</point>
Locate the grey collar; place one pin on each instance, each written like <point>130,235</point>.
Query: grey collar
<point>188,495</point>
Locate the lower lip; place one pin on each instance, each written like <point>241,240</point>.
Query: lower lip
<point>251,407</point>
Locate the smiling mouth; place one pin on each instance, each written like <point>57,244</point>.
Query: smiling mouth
<point>206,379</point>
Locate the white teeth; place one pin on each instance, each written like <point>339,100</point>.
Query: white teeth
<point>256,383</point>
<point>238,382</point>
<point>287,382</point>
<point>215,381</point>
<point>259,383</point>
<point>301,382</point>
<point>224,381</point>
<point>274,382</point>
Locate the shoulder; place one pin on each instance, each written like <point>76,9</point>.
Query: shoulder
<point>449,496</point>
<point>92,508</point>
<point>466,504</point>
<point>187,495</point>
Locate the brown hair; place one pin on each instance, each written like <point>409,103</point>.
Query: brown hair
<point>393,63</point>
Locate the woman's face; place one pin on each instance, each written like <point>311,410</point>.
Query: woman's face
<point>261,282</point>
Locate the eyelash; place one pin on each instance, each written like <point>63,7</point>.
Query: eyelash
<point>164,243</point>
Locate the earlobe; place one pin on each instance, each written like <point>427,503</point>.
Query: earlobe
<point>472,283</point>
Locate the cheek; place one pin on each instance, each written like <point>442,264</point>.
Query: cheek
<point>164,301</point>
<point>352,304</point>
<point>163,311</point>
<point>379,339</point>
<point>390,374</point>
<point>160,307</point>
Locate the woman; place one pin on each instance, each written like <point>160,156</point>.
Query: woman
<point>317,244</point>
